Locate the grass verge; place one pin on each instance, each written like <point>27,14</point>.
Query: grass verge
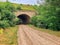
<point>9,36</point>
<point>27,7</point>
<point>56,33</point>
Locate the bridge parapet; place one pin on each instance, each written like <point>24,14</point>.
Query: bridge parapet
<point>27,12</point>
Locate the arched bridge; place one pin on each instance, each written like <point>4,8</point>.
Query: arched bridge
<point>25,15</point>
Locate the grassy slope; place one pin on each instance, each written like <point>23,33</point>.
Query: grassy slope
<point>56,33</point>
<point>24,7</point>
<point>27,7</point>
<point>9,37</point>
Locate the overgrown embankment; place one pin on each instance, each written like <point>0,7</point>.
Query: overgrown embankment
<point>48,15</point>
<point>7,17</point>
<point>8,28</point>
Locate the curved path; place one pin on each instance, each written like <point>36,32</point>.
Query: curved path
<point>29,36</point>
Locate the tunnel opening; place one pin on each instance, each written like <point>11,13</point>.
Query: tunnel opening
<point>25,19</point>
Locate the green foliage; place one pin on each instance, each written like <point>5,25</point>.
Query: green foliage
<point>18,7</point>
<point>10,7</point>
<point>39,21</point>
<point>7,17</point>
<point>48,15</point>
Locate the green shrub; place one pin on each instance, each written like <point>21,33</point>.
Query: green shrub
<point>7,17</point>
<point>4,24</point>
<point>38,21</point>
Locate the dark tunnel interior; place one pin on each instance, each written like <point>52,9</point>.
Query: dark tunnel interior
<point>24,18</point>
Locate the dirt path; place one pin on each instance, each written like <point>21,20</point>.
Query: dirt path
<point>29,36</point>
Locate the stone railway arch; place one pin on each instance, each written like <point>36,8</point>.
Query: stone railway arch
<point>25,15</point>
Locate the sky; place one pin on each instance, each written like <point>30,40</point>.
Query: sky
<point>31,2</point>
<point>24,1</point>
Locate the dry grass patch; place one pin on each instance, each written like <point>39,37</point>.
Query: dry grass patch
<point>9,37</point>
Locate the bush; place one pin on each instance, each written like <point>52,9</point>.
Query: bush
<point>7,17</point>
<point>18,7</point>
<point>38,21</point>
<point>4,24</point>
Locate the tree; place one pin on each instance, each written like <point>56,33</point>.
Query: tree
<point>48,15</point>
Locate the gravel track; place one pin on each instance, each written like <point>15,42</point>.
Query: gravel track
<point>30,36</point>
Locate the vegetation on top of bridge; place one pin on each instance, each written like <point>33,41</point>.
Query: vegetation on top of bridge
<point>24,6</point>
<point>27,7</point>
